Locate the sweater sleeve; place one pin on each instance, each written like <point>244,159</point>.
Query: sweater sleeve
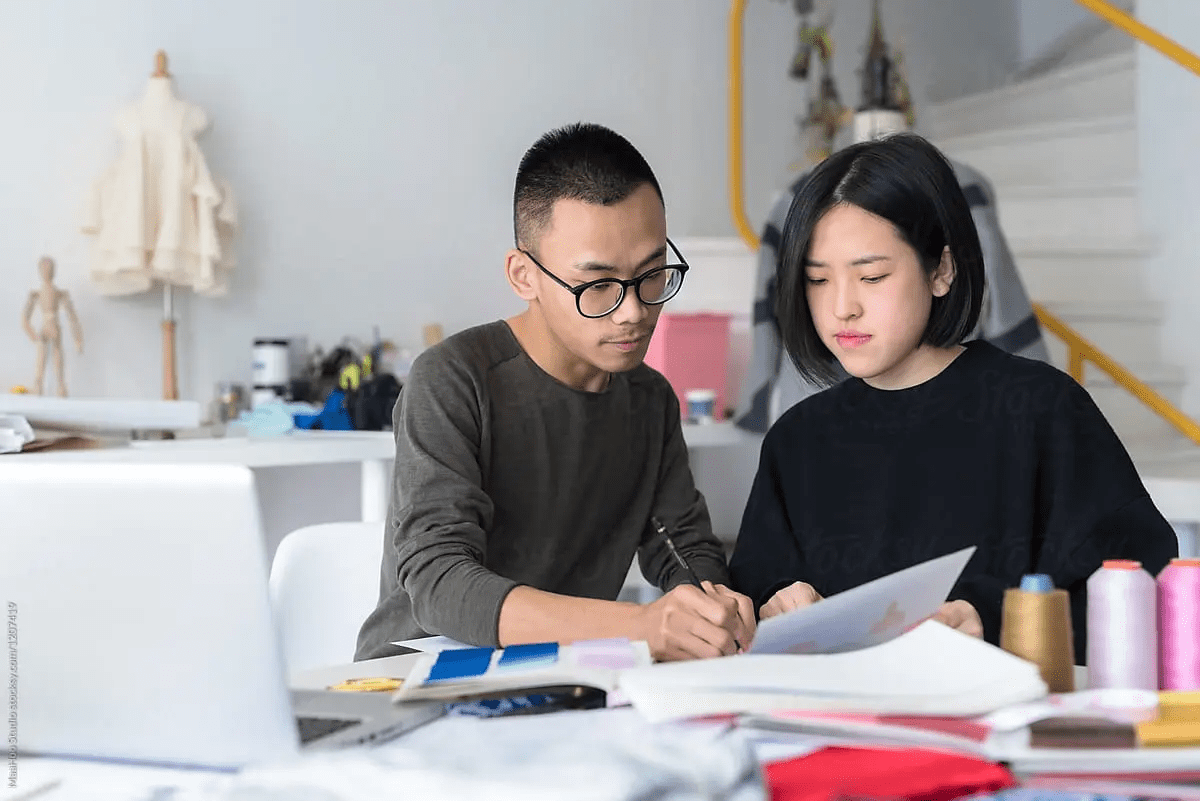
<point>682,509</point>
<point>1092,505</point>
<point>443,514</point>
<point>767,556</point>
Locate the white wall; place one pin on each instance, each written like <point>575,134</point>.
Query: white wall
<point>1040,23</point>
<point>1169,153</point>
<point>372,145</point>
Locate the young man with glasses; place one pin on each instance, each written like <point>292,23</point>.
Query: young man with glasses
<point>533,452</point>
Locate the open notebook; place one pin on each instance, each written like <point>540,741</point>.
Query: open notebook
<point>471,672</point>
<point>931,670</point>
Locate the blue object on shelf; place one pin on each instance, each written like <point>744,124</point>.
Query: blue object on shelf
<point>334,417</point>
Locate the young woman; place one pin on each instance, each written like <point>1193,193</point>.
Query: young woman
<point>934,443</point>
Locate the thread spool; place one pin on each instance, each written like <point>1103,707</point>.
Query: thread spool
<point>1122,615</point>
<point>1179,625</point>
<point>1035,624</point>
<point>271,366</point>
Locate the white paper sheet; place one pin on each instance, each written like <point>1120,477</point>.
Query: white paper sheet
<point>931,670</point>
<point>864,616</point>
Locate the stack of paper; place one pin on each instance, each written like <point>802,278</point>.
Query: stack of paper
<point>931,670</point>
<point>965,735</point>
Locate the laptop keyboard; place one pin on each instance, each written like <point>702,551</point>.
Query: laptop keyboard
<point>315,728</point>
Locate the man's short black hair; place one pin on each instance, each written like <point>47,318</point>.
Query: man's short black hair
<point>908,182</point>
<point>583,161</point>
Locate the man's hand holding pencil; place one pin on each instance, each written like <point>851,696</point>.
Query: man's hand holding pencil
<point>696,620</point>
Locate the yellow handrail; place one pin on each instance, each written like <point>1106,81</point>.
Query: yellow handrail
<point>1080,350</point>
<point>737,15</point>
<point>1144,33</point>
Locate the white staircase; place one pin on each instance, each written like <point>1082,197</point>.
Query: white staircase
<point>1061,152</point>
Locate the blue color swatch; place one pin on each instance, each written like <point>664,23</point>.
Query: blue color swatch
<point>530,655</point>
<point>460,663</point>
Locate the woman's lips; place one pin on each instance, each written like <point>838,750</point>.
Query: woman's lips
<point>852,340</point>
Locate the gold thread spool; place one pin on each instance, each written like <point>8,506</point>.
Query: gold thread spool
<point>1036,625</point>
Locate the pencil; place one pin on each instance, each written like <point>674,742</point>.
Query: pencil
<point>666,534</point>
<point>661,529</point>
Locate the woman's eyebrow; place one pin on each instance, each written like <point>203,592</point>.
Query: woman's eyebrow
<point>859,262</point>
<point>871,259</point>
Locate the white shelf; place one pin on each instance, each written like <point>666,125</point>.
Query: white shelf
<point>103,414</point>
<point>291,449</point>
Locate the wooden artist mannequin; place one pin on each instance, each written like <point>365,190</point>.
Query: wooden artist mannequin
<point>50,299</point>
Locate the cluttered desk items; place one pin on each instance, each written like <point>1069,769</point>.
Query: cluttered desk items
<point>1132,728</point>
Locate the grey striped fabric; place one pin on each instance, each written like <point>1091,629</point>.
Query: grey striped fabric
<point>772,385</point>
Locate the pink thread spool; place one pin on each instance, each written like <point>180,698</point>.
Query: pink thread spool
<point>1122,626</point>
<point>1179,625</point>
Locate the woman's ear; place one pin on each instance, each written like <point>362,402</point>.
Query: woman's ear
<point>517,269</point>
<point>942,277</point>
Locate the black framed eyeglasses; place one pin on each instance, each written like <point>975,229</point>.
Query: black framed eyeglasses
<point>602,297</point>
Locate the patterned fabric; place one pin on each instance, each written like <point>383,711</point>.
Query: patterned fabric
<point>772,385</point>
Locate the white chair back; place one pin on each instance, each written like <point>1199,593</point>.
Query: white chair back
<point>324,583</point>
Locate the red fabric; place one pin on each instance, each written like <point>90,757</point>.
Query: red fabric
<point>901,774</point>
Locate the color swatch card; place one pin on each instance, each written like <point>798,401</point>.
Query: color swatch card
<point>868,615</point>
<point>463,672</point>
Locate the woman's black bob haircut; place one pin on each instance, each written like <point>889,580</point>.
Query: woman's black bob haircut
<point>908,182</point>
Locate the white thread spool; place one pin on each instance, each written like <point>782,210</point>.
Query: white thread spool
<point>1122,615</point>
<point>271,368</point>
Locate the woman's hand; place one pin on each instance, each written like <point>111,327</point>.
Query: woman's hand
<point>796,596</point>
<point>960,616</point>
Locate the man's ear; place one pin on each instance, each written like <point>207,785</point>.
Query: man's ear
<point>519,271</point>
<point>943,275</point>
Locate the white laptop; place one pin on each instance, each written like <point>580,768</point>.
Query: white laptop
<point>139,626</point>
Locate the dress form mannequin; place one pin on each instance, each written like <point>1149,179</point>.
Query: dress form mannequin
<point>157,213</point>
<point>159,111</point>
<point>48,338</point>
